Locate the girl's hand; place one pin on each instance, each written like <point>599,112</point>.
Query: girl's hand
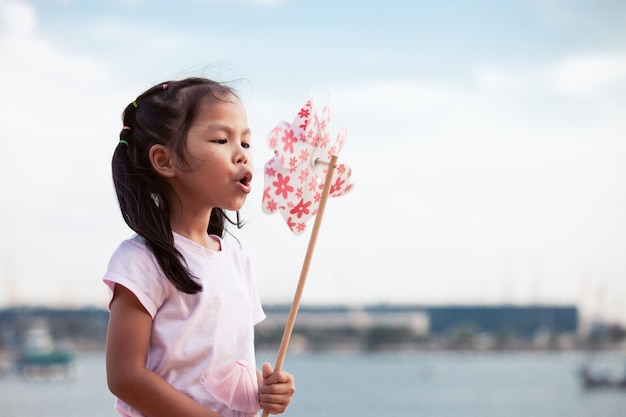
<point>276,390</point>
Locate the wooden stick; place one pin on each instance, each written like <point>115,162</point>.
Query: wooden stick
<point>293,311</point>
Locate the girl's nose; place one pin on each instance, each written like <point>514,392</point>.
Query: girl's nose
<point>241,157</point>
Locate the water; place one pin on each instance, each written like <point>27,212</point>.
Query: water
<point>85,395</point>
<point>366,385</point>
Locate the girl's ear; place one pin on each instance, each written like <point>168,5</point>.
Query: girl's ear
<point>161,160</point>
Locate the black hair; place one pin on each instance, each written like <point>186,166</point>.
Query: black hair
<point>162,115</point>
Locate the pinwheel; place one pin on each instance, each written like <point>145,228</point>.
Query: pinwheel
<point>294,177</point>
<point>299,178</point>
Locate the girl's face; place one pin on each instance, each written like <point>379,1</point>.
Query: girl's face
<point>218,169</point>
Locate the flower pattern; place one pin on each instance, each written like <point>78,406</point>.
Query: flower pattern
<point>294,176</point>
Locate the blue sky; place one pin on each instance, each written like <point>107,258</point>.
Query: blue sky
<point>487,141</point>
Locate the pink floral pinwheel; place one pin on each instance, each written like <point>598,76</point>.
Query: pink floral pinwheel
<point>294,177</point>
<point>299,178</point>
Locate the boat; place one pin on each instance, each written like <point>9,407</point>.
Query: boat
<point>596,378</point>
<point>40,358</point>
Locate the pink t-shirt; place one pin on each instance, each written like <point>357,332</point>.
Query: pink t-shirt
<point>202,344</point>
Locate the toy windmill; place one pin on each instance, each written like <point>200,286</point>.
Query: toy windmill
<point>299,178</point>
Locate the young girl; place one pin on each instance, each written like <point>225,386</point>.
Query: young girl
<point>183,305</point>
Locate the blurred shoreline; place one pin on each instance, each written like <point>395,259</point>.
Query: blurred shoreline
<point>370,328</point>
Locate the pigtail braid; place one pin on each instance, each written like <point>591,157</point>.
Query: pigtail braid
<point>142,194</point>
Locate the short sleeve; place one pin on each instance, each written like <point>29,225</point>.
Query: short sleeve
<point>133,266</point>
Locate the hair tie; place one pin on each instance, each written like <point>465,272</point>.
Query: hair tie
<point>165,86</point>
<point>135,105</point>
<point>124,142</point>
<point>125,128</point>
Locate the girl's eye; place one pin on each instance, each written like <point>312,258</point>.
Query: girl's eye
<point>245,145</point>
<point>220,141</point>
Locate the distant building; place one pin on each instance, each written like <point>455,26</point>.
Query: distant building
<point>522,321</point>
<point>342,317</point>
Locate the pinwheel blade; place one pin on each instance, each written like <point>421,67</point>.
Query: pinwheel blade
<point>294,177</point>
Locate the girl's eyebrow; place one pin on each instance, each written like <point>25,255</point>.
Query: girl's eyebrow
<point>227,128</point>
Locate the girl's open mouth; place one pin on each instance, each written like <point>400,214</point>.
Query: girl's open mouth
<point>245,182</point>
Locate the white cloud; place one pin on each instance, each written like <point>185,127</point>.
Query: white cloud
<point>58,131</point>
<point>590,75</point>
<point>598,79</point>
<point>16,17</point>
<point>44,74</point>
<point>496,79</point>
<point>50,107</point>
